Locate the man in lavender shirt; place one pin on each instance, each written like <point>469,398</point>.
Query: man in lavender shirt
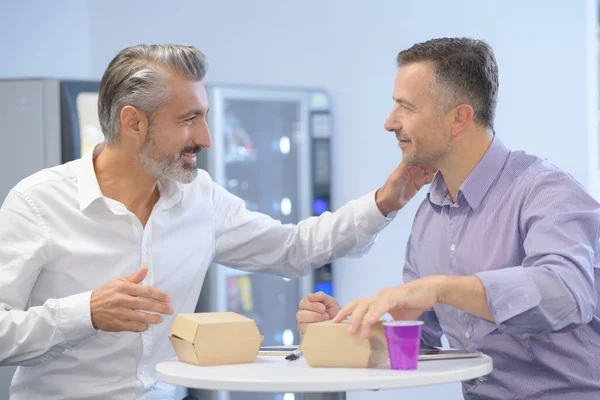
<point>503,256</point>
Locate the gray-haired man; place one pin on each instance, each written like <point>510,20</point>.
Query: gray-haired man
<point>98,254</point>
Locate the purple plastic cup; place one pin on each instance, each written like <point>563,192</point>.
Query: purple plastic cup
<point>403,339</point>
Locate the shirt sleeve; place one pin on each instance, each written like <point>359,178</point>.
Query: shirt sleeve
<point>431,333</point>
<point>554,288</point>
<point>32,335</point>
<point>253,241</point>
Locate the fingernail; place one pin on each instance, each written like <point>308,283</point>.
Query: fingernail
<point>349,330</point>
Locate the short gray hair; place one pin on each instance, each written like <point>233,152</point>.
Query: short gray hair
<point>137,76</point>
<point>465,70</point>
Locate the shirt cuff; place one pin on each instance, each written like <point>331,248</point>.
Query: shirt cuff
<point>510,292</point>
<point>74,317</point>
<point>368,217</point>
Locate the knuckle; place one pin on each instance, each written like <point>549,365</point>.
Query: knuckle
<point>302,328</point>
<point>120,285</point>
<point>119,299</point>
<point>140,305</point>
<point>154,306</point>
<point>147,291</point>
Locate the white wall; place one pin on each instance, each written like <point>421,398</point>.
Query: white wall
<point>546,51</point>
<point>41,38</point>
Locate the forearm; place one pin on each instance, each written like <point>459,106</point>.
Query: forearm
<point>466,293</point>
<point>255,242</point>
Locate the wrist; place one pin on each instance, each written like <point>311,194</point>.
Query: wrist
<point>441,287</point>
<point>382,204</point>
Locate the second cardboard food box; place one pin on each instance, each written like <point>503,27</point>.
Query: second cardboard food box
<point>326,344</point>
<point>215,338</point>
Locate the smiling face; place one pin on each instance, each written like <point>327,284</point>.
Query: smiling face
<point>423,133</point>
<point>177,132</point>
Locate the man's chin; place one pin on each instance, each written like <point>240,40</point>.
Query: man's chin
<point>415,162</point>
<point>189,175</point>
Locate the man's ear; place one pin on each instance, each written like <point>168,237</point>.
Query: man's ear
<point>134,124</point>
<point>463,114</point>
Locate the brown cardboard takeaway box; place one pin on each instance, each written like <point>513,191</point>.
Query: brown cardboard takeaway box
<point>326,344</point>
<point>215,338</point>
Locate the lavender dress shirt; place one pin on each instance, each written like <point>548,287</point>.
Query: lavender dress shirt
<point>530,233</point>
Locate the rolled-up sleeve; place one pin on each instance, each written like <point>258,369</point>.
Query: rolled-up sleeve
<point>554,288</point>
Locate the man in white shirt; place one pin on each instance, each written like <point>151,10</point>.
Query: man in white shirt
<point>98,254</point>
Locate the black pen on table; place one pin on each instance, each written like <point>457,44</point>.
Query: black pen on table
<point>294,355</point>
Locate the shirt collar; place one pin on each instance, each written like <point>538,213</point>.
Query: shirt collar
<point>479,180</point>
<point>171,192</point>
<point>87,183</point>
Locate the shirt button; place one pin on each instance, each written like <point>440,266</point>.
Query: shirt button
<point>481,379</point>
<point>501,326</point>
<point>452,247</point>
<point>467,335</point>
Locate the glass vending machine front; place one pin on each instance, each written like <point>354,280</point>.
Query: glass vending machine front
<point>262,153</point>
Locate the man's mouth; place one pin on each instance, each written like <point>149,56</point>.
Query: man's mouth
<point>189,154</point>
<point>403,142</point>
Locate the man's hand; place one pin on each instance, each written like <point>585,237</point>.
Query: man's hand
<point>404,302</point>
<point>402,184</point>
<point>115,306</point>
<point>316,307</point>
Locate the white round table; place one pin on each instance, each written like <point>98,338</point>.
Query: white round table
<point>275,374</point>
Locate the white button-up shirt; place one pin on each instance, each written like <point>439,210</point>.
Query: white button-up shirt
<point>60,239</point>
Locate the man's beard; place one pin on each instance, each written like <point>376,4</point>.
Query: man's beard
<point>426,158</point>
<point>162,165</point>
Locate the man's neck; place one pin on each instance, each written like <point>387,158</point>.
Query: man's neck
<point>465,157</point>
<point>123,178</point>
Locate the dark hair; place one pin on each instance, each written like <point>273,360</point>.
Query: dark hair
<point>465,69</point>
